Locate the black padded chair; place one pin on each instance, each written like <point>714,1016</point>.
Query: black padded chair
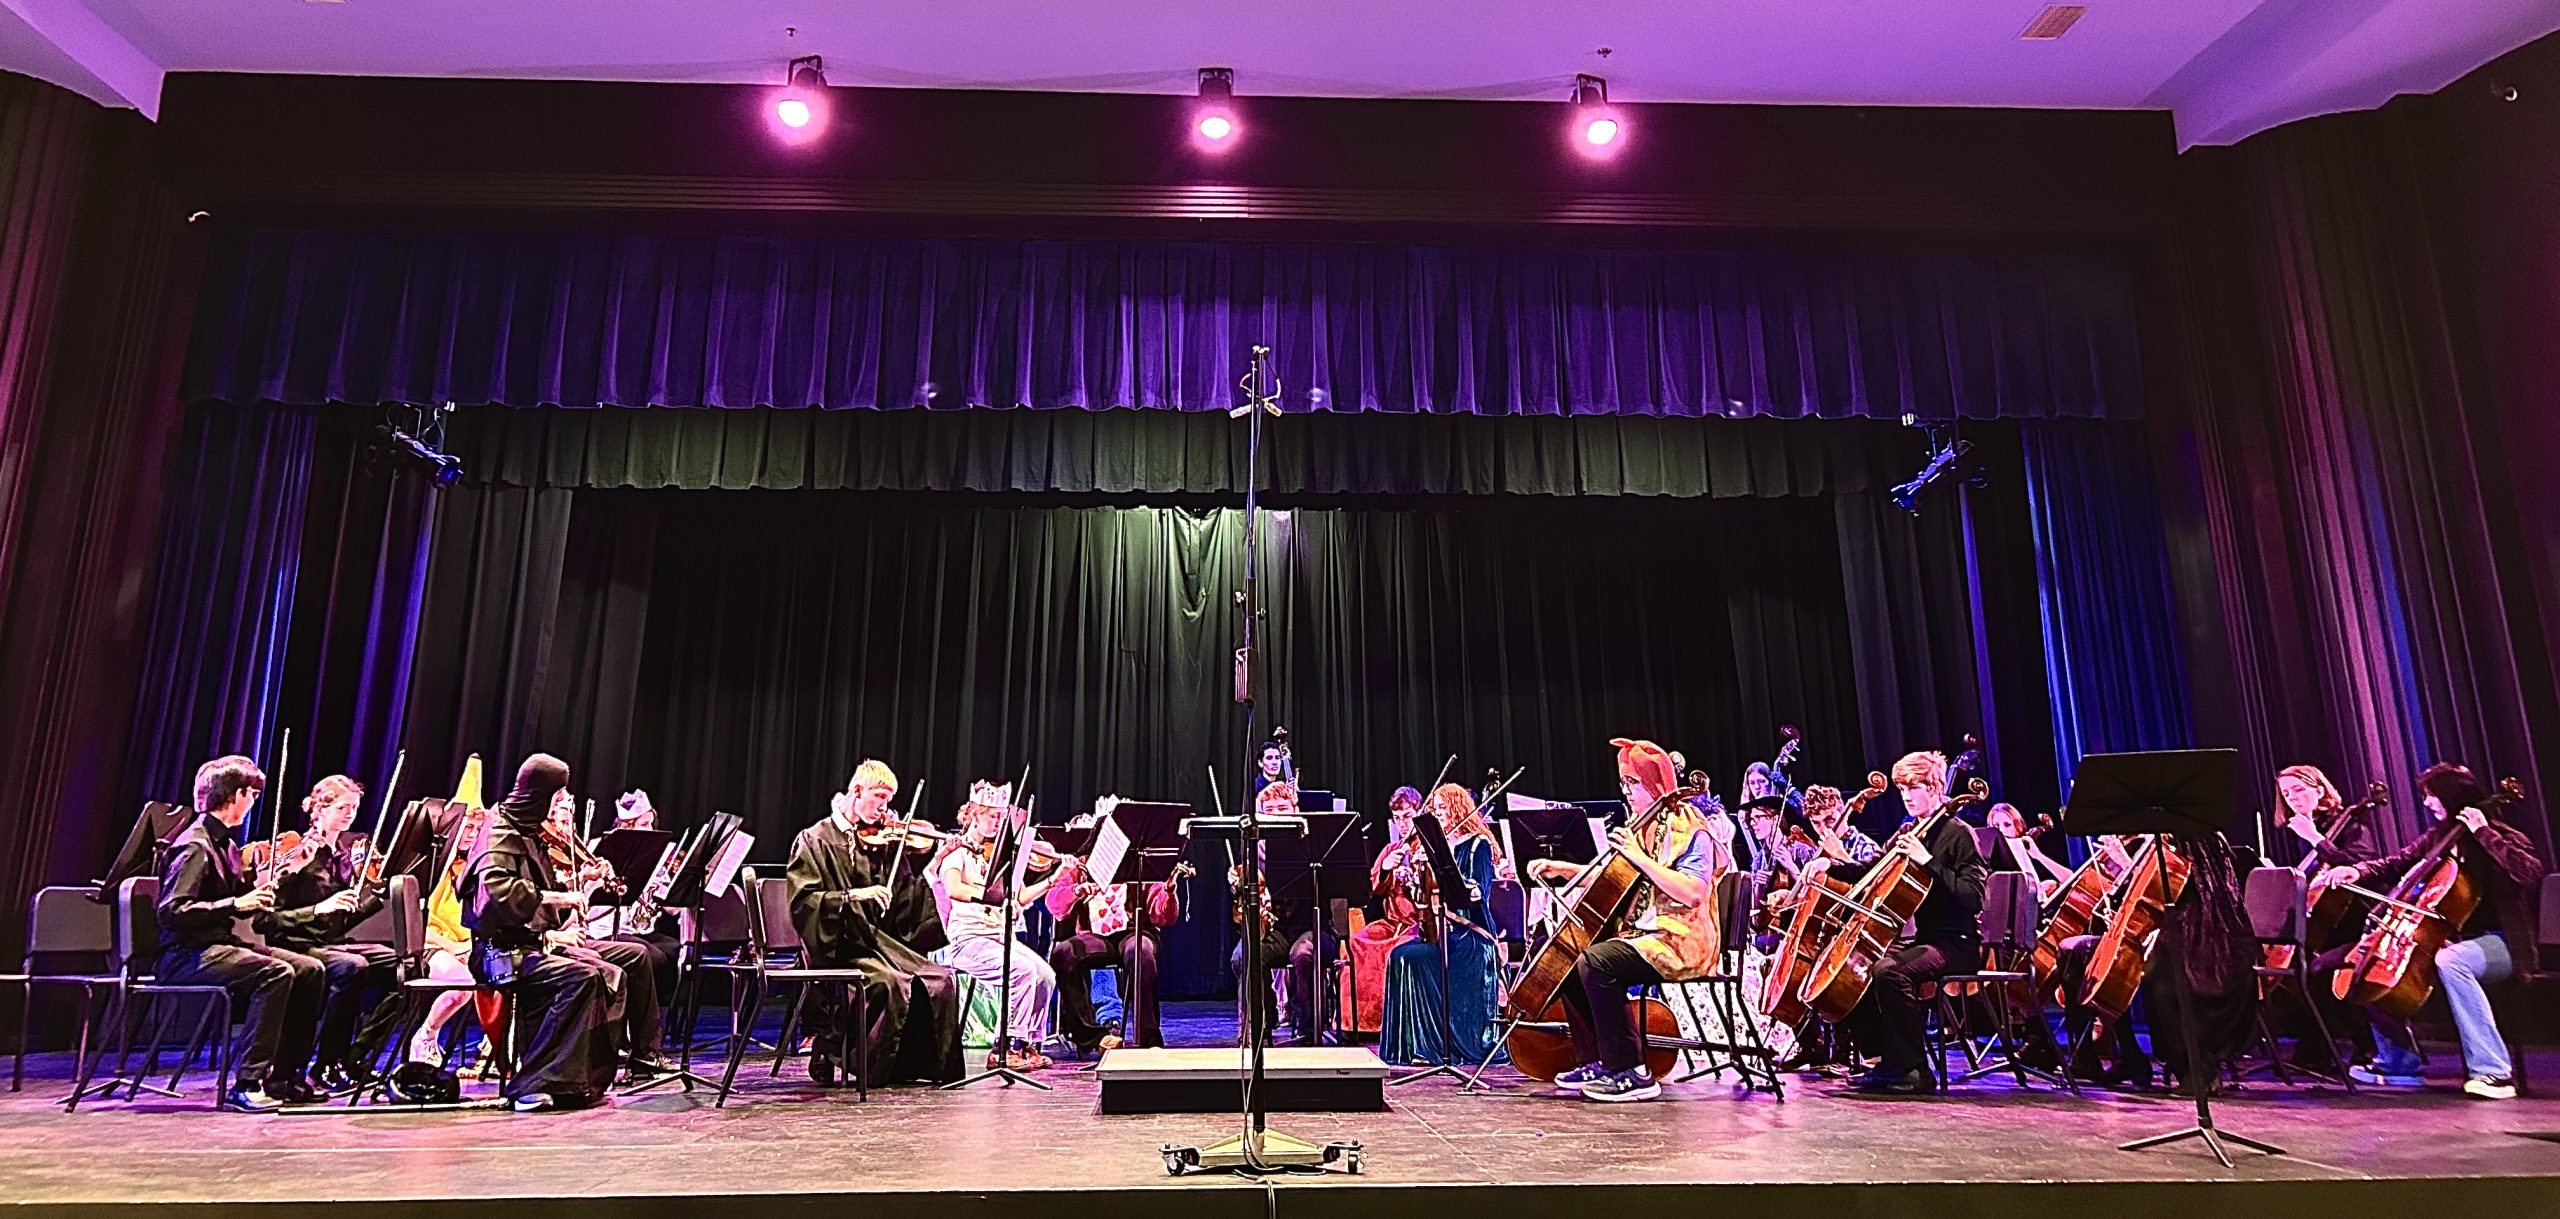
<point>138,996</point>
<point>755,975</point>
<point>70,943</point>
<point>1745,1050</point>
<point>2278,901</point>
<point>405,908</point>
<point>2009,924</point>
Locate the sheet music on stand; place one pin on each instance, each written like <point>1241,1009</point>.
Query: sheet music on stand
<point>1110,843</point>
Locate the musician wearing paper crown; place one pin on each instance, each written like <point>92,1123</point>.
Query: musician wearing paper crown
<point>1099,927</point>
<point>1948,937</point>
<point>976,920</point>
<point>647,969</point>
<point>860,898</point>
<point>1675,940</point>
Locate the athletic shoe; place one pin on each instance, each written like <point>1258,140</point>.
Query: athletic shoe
<point>1580,1077</point>
<point>1915,1082</point>
<point>533,1102</point>
<point>1633,1084</point>
<point>252,1100</point>
<point>2375,1079</point>
<point>2490,1087</point>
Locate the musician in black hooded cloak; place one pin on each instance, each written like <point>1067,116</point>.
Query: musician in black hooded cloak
<point>567,1000</point>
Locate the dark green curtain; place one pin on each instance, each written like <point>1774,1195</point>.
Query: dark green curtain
<point>788,636</point>
<point>1163,452</point>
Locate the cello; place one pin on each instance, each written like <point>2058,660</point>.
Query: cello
<point>2074,910</point>
<point>2328,902</point>
<point>1812,919</point>
<point>1611,891</point>
<point>2393,967</point>
<point>2124,949</point>
<point>1873,915</point>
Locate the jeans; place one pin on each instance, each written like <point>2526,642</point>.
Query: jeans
<point>2465,969</point>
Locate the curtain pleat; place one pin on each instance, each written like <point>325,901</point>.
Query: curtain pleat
<point>310,316</point>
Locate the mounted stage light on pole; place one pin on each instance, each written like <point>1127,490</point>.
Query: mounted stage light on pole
<point>800,110</point>
<point>1213,118</point>
<point>1597,130</point>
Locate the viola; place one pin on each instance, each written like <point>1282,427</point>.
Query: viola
<point>2393,966</point>
<point>1612,886</point>
<point>1872,916</point>
<point>1813,919</point>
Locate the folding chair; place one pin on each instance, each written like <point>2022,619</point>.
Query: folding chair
<point>2008,936</point>
<point>770,932</point>
<point>67,926</point>
<point>137,996</point>
<point>407,911</point>
<point>1735,1040</point>
<point>2278,901</point>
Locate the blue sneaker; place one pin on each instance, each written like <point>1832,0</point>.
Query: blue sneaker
<point>1580,1077</point>
<point>1635,1084</point>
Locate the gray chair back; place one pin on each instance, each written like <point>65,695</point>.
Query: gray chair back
<point>774,931</point>
<point>67,920</point>
<point>2278,901</point>
<point>406,913</point>
<point>724,919</point>
<point>2548,935</point>
<point>1509,908</point>
<point>136,940</point>
<point>2008,910</point>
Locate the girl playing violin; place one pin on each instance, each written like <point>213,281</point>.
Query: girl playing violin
<point>1418,972</point>
<point>1676,940</point>
<point>978,926</point>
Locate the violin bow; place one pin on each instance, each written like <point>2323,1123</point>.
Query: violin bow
<point>275,817</point>
<point>381,815</point>
<point>898,845</point>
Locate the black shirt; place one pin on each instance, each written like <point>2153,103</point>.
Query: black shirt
<point>200,890</point>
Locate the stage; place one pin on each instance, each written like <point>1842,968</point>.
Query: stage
<point>787,1150</point>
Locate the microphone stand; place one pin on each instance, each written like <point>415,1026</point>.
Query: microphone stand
<point>1258,1149</point>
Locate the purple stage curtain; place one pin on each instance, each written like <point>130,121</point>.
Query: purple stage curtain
<point>2374,630</point>
<point>310,316</point>
<point>2111,656</point>
<point>96,291</point>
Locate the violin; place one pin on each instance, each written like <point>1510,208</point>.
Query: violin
<point>1812,920</point>
<point>915,835</point>
<point>2393,967</point>
<point>2328,903</point>
<point>1611,889</point>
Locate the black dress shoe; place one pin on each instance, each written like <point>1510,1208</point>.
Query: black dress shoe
<point>1915,1082</point>
<point>334,1080</point>
<point>252,1100</point>
<point>295,1092</point>
<point>822,1070</point>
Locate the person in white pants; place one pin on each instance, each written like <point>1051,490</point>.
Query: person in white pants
<point>978,929</point>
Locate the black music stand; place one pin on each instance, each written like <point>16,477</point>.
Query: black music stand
<point>1455,903</point>
<point>145,846</point>
<point>633,854</point>
<point>1561,834</point>
<point>1156,844</point>
<point>2175,793</point>
<point>1328,863</point>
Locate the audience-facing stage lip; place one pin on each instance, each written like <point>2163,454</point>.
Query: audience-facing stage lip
<point>1987,1150</point>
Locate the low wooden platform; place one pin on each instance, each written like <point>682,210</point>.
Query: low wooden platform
<point>1296,1079</point>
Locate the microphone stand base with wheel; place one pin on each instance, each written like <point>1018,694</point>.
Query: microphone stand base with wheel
<point>1270,1151</point>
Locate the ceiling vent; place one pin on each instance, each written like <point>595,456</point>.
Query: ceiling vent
<point>2055,21</point>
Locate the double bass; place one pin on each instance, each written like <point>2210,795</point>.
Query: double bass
<point>2393,966</point>
<point>1612,891</point>
<point>1872,915</point>
<point>1813,917</point>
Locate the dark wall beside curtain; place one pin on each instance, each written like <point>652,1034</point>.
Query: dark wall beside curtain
<point>96,288</point>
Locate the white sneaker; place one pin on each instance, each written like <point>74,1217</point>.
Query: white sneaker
<point>534,1102</point>
<point>2375,1079</point>
<point>2502,1087</point>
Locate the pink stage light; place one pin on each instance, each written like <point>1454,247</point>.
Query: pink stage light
<point>1213,118</point>
<point>800,110</point>
<point>1598,132</point>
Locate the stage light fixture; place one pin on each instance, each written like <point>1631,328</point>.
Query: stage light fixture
<point>800,108</point>
<point>1213,116</point>
<point>1951,461</point>
<point>417,448</point>
<point>1598,131</point>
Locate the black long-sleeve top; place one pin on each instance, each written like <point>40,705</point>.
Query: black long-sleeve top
<point>201,888</point>
<point>297,922</point>
<point>1952,913</point>
<point>501,891</point>
<point>2352,843</point>
<point>2502,864</point>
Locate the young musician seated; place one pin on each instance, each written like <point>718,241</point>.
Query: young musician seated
<point>2503,868</point>
<point>1097,929</point>
<point>1948,937</point>
<point>1289,942</point>
<point>2336,835</point>
<point>567,1001</point>
<point>979,929</point>
<point>2019,852</point>
<point>316,908</point>
<point>1674,940</point>
<point>860,899</point>
<point>1444,995</point>
<point>203,895</point>
<point>449,956</point>
<point>641,962</point>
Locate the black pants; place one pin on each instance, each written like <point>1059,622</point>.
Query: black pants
<point>282,990</point>
<point>1299,958</point>
<point>564,1017</point>
<point>640,964</point>
<point>359,978</point>
<point>1596,1007</point>
<point>2070,974</point>
<point>1891,1017</point>
<point>1076,957</point>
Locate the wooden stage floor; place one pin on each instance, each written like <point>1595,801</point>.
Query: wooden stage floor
<point>781,1147</point>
